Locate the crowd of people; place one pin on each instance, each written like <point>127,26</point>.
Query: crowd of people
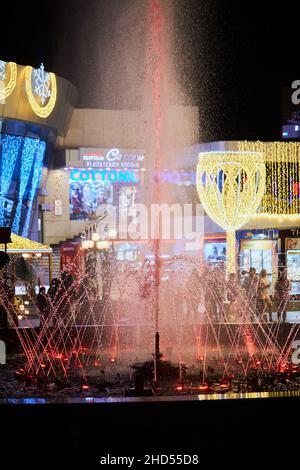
<point>224,299</point>
<point>249,299</point>
<point>257,289</point>
<point>60,295</point>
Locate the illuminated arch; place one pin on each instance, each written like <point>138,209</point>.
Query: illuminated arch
<point>41,111</point>
<point>9,88</point>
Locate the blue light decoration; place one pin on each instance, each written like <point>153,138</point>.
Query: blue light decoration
<point>29,150</point>
<point>10,146</point>
<point>37,170</point>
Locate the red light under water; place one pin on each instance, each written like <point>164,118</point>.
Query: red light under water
<point>58,356</point>
<point>203,386</point>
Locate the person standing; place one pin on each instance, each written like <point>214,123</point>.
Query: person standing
<point>250,286</point>
<point>282,295</point>
<point>264,301</point>
<point>43,306</point>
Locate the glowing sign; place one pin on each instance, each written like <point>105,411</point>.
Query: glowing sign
<point>45,88</point>
<point>104,175</point>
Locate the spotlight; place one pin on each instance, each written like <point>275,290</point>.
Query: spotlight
<point>112,360</point>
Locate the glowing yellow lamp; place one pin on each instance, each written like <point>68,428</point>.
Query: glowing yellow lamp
<point>230,186</point>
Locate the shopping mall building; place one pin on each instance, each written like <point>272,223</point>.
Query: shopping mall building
<point>61,166</point>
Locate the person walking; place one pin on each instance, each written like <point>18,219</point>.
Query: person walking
<point>264,301</point>
<point>282,295</point>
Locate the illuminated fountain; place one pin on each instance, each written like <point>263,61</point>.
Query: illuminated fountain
<point>89,344</point>
<point>114,315</point>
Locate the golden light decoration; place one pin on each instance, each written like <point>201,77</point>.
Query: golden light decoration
<point>282,176</point>
<point>10,85</point>
<point>24,245</point>
<point>41,111</point>
<point>230,186</point>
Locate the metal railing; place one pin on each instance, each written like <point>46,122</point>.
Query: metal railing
<point>93,227</point>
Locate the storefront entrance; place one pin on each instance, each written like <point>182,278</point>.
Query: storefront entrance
<point>259,254</point>
<point>292,247</point>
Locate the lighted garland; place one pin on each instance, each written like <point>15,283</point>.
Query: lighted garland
<point>9,88</point>
<point>41,111</point>
<point>9,152</point>
<point>282,196</point>
<point>230,186</point>
<point>29,150</point>
<point>37,170</point>
<point>20,244</point>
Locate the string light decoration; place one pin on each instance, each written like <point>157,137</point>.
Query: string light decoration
<point>230,186</point>
<point>28,153</point>
<point>20,245</point>
<point>45,88</point>
<point>8,87</point>
<point>282,159</point>
<point>10,146</point>
<point>38,164</point>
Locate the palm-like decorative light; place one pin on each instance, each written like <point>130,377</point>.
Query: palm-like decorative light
<point>230,186</point>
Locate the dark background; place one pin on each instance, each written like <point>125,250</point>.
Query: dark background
<point>234,54</point>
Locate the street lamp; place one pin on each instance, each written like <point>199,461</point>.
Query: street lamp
<point>95,237</point>
<point>87,244</point>
<point>103,245</point>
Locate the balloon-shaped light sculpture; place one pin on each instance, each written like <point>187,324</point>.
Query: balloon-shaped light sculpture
<point>230,186</point>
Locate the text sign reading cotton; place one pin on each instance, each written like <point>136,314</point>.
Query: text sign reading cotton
<point>113,176</point>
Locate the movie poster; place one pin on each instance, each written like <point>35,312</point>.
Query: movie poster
<point>88,197</point>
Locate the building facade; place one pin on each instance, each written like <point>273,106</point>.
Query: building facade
<point>35,107</point>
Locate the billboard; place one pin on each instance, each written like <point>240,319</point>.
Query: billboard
<point>105,176</point>
<point>88,197</point>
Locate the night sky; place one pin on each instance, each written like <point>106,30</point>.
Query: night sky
<point>234,54</point>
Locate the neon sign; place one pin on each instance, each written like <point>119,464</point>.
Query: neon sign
<point>110,158</point>
<point>104,175</point>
